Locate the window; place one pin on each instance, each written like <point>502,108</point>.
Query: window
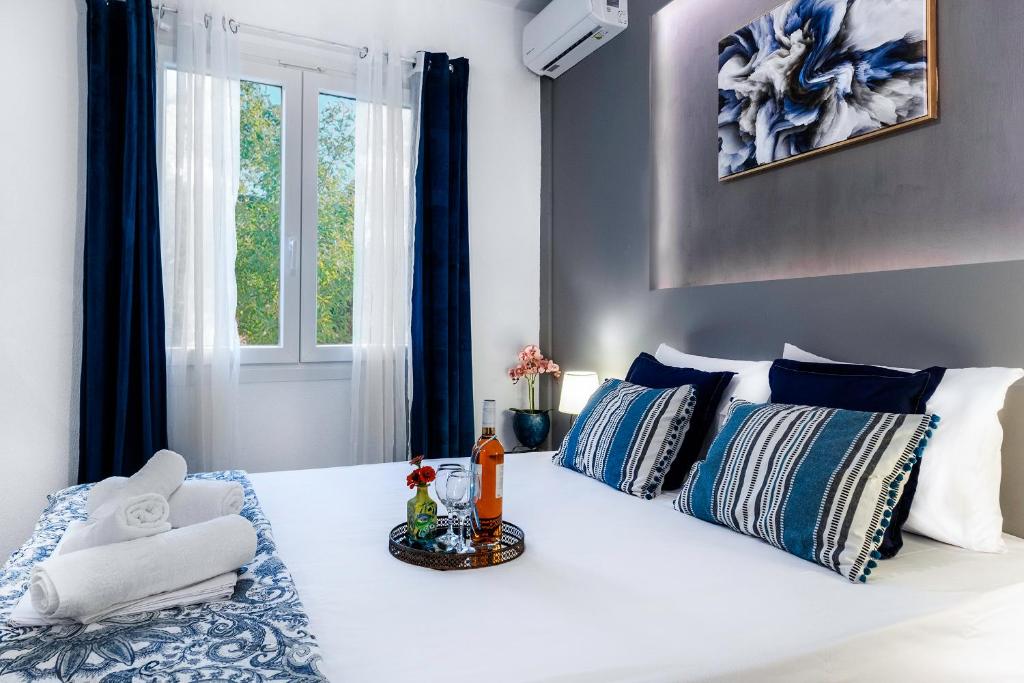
<point>328,249</point>
<point>295,216</point>
<point>335,207</point>
<point>295,210</point>
<point>258,215</point>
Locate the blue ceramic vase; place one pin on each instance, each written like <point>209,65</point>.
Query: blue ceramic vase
<point>531,426</point>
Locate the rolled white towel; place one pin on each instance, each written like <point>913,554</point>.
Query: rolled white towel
<point>162,474</point>
<point>198,500</point>
<point>122,519</point>
<point>87,583</point>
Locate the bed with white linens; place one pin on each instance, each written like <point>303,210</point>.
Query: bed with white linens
<point>611,588</point>
<point>615,588</point>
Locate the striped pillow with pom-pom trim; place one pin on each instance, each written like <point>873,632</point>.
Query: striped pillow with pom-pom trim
<point>820,483</point>
<point>628,435</point>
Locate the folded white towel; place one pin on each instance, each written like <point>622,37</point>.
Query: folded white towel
<point>162,474</point>
<point>87,583</point>
<point>198,500</point>
<point>122,519</point>
<point>220,587</point>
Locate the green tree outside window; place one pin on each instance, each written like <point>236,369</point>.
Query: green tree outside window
<point>258,217</point>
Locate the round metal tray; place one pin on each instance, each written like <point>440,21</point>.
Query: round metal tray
<point>511,546</point>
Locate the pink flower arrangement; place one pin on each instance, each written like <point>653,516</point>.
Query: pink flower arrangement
<point>532,364</point>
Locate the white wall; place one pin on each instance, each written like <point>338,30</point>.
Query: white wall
<point>293,425</point>
<point>285,424</point>
<point>40,264</point>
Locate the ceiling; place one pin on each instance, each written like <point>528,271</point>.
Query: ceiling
<point>526,5</point>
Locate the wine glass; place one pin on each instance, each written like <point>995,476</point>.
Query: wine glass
<point>460,499</point>
<point>449,541</point>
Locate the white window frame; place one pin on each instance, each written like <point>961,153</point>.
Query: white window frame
<point>314,83</point>
<point>290,80</point>
<point>302,72</point>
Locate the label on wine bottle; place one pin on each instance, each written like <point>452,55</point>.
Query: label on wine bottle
<point>499,480</point>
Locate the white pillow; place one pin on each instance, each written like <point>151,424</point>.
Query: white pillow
<point>750,382</point>
<point>957,499</point>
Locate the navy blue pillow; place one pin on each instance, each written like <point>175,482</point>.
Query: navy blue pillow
<point>648,372</point>
<point>866,388</point>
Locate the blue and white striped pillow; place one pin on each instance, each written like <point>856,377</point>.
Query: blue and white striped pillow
<point>627,436</point>
<point>819,483</point>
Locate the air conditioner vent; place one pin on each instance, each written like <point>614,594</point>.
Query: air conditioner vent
<point>553,62</point>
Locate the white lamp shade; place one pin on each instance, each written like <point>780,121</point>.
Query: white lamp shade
<point>577,388</point>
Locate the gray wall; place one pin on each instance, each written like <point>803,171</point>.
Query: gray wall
<point>938,194</point>
<point>602,311</point>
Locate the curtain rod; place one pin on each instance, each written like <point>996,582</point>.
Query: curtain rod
<point>360,50</point>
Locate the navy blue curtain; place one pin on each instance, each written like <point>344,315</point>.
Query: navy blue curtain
<point>442,346</point>
<point>123,392</point>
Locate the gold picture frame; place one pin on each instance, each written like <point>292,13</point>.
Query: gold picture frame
<point>932,98</point>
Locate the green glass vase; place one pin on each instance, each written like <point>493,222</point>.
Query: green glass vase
<point>421,516</point>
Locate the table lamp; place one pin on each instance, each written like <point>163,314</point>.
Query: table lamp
<point>577,387</point>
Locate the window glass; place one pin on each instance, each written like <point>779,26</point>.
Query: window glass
<point>335,217</point>
<point>258,215</point>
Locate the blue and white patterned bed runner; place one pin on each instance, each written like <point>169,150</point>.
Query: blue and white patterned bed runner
<point>261,634</point>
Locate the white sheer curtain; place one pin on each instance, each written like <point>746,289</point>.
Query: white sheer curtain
<point>199,187</point>
<point>382,292</point>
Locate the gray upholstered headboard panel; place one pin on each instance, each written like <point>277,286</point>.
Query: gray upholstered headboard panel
<point>1013,461</point>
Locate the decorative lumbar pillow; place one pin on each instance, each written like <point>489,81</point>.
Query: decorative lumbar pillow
<point>627,436</point>
<point>957,498</point>
<point>819,483</point>
<point>647,371</point>
<point>750,382</point>
<point>866,388</point>
<point>852,387</point>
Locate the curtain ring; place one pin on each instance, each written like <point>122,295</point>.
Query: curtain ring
<point>233,25</point>
<point>223,23</point>
<point>363,51</point>
<point>160,11</point>
<point>206,20</point>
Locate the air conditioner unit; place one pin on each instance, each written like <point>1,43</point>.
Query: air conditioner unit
<point>566,31</point>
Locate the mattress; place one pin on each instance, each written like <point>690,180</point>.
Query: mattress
<point>614,588</point>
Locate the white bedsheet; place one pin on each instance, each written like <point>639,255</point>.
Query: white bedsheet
<point>613,588</point>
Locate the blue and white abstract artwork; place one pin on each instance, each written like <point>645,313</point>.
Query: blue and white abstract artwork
<point>815,74</point>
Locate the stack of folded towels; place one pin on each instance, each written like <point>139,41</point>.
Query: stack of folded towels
<point>152,541</point>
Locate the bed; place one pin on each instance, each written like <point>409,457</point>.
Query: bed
<point>614,588</point>
<point>611,588</point>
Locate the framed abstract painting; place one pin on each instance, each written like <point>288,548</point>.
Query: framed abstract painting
<point>814,75</point>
